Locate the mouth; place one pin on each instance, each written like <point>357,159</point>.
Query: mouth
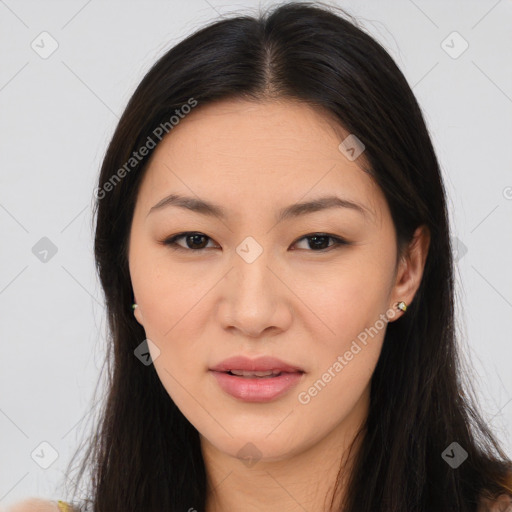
<point>258,375</point>
<point>263,366</point>
<point>257,386</point>
<point>262,379</point>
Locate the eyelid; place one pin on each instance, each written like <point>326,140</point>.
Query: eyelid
<point>171,241</point>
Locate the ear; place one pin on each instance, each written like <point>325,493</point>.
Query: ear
<point>138,314</point>
<point>410,269</point>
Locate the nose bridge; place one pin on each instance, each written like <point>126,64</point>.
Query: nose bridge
<point>253,294</point>
<point>252,271</point>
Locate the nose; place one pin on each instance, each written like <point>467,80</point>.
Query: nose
<point>256,299</point>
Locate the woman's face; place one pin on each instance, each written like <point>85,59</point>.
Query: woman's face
<point>251,283</point>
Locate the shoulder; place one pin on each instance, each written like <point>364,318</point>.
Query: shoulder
<point>34,505</point>
<point>502,503</point>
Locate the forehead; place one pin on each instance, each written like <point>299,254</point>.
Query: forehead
<point>261,153</point>
<point>284,126</point>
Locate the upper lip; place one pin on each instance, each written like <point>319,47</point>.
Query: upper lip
<point>260,364</point>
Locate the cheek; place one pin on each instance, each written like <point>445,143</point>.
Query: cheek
<point>166,291</point>
<point>171,322</point>
<point>353,309</point>
<point>172,298</point>
<point>345,359</point>
<point>349,298</point>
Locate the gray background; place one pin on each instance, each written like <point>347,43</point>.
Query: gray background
<point>57,115</point>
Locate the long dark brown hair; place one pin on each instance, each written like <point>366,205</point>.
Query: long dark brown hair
<point>144,455</point>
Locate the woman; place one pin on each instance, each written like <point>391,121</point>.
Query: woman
<point>273,242</point>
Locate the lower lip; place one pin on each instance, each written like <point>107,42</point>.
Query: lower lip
<point>256,389</point>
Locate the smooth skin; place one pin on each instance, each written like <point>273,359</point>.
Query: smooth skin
<point>295,301</point>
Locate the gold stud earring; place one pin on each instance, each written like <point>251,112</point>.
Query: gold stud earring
<point>402,306</point>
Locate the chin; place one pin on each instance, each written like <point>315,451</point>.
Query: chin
<point>251,448</point>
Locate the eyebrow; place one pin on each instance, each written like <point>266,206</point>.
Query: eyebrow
<point>294,210</point>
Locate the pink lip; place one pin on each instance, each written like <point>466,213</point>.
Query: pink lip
<point>259,364</point>
<point>257,389</point>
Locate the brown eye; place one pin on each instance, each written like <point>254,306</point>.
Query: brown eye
<point>196,242</point>
<point>319,242</point>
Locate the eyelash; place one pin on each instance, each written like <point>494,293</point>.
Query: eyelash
<point>172,241</point>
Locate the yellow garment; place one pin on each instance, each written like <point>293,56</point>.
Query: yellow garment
<point>64,507</point>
